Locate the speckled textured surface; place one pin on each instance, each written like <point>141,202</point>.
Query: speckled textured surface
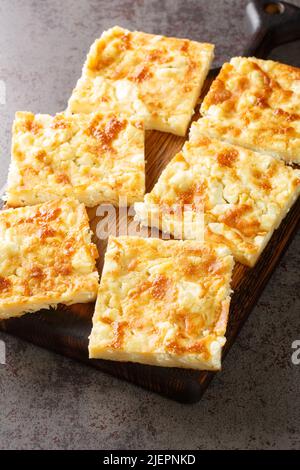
<point>49,402</point>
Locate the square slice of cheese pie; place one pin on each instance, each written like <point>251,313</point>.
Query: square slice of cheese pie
<point>46,257</point>
<point>156,78</point>
<point>256,103</point>
<point>164,303</point>
<point>95,158</point>
<point>244,195</point>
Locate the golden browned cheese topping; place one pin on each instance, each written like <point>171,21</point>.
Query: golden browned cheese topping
<point>243,195</point>
<point>37,273</point>
<point>96,158</point>
<point>256,103</point>
<point>41,215</point>
<point>63,267</point>
<point>41,155</point>
<point>160,286</point>
<point>46,257</point>
<point>158,79</point>
<point>107,134</point>
<point>236,218</point>
<point>118,334</point>
<point>59,122</point>
<point>227,157</point>
<point>188,196</point>
<point>5,284</point>
<point>31,126</point>
<point>218,93</point>
<point>63,178</point>
<point>46,231</point>
<point>122,43</point>
<point>263,179</point>
<point>161,297</point>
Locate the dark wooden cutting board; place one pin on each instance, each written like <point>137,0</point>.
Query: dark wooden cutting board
<point>66,329</point>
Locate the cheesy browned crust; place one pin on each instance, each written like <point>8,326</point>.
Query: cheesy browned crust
<point>256,103</point>
<point>156,78</point>
<point>95,158</point>
<point>244,195</point>
<point>46,257</point>
<point>162,302</point>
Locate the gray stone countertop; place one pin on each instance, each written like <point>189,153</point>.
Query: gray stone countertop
<point>50,402</point>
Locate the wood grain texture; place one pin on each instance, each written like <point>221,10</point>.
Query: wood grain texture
<point>66,329</point>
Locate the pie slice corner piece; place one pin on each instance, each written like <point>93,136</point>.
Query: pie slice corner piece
<point>163,303</point>
<point>95,158</point>
<point>256,103</point>
<point>46,257</point>
<point>242,195</point>
<point>156,78</point>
